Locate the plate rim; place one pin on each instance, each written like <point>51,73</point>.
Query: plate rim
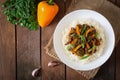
<point>83,11</point>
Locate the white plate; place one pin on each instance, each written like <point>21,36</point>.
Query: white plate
<point>109,33</point>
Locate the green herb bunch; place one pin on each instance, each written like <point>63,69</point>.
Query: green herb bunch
<point>21,12</point>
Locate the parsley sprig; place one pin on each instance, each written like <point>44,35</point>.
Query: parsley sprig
<point>21,12</point>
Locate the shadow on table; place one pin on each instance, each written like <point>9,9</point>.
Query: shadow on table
<point>109,70</point>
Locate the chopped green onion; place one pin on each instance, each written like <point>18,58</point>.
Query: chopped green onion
<point>88,40</point>
<point>92,48</point>
<point>83,45</point>
<point>72,35</point>
<point>82,38</point>
<point>69,47</point>
<point>83,29</point>
<point>79,51</point>
<point>85,56</point>
<point>96,35</point>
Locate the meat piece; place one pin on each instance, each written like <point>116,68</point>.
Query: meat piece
<point>97,42</point>
<point>72,31</point>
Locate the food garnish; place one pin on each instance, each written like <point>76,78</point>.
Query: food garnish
<point>21,12</point>
<point>83,40</point>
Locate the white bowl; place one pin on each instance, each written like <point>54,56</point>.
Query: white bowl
<point>108,31</point>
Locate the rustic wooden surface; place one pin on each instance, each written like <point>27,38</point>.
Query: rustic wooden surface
<point>21,51</point>
<point>28,52</point>
<point>117,62</point>
<point>58,72</point>
<point>7,48</point>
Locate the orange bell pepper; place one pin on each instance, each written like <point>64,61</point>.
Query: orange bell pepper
<point>89,30</point>
<point>46,12</point>
<point>78,30</point>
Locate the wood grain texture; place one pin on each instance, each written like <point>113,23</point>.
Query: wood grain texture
<point>73,75</point>
<point>85,4</point>
<point>118,62</point>
<point>111,12</point>
<point>107,71</point>
<point>7,48</point>
<point>113,1</point>
<point>118,2</point>
<point>57,73</point>
<point>28,53</point>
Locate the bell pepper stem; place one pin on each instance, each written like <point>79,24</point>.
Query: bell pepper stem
<point>50,2</point>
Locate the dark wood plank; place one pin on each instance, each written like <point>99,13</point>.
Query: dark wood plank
<point>118,2</point>
<point>85,4</point>
<point>118,62</point>
<point>107,71</point>
<point>113,1</point>
<point>7,48</point>
<point>67,5</point>
<point>56,73</point>
<point>111,12</point>
<point>73,75</point>
<point>28,53</point>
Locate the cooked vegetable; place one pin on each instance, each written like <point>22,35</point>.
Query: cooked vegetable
<point>74,41</point>
<point>90,50</point>
<point>73,52</point>
<point>82,37</point>
<point>47,10</point>
<point>69,47</point>
<point>77,48</point>
<point>93,49</point>
<point>21,12</point>
<point>85,56</point>
<point>78,30</point>
<point>84,40</point>
<point>72,35</point>
<point>88,31</point>
<point>96,35</point>
<point>83,29</point>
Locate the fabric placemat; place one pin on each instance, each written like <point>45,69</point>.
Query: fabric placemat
<point>51,52</point>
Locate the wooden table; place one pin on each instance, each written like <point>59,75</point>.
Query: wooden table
<point>21,51</point>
